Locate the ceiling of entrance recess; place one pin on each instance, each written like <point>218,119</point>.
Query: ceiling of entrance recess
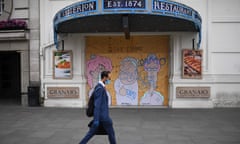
<point>114,23</point>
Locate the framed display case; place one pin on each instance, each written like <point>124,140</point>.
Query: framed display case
<point>192,64</point>
<point>62,64</point>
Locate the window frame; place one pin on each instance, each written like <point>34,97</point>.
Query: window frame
<point>1,7</point>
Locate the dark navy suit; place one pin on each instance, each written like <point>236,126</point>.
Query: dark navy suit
<point>101,115</point>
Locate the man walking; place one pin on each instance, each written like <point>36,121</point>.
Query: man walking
<point>101,111</point>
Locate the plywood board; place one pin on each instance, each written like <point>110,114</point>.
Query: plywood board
<point>139,68</point>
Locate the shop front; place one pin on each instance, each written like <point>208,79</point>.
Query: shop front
<point>141,42</point>
<point>139,68</point>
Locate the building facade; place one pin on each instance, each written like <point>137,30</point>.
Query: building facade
<point>178,54</point>
<point>19,49</point>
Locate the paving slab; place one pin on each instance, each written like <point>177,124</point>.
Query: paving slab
<point>38,125</point>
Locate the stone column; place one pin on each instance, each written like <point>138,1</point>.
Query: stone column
<point>34,41</point>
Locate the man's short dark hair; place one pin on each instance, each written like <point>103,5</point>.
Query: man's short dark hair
<point>105,74</point>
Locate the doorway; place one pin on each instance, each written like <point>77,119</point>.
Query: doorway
<point>10,78</point>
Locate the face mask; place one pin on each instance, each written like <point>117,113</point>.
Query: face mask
<point>107,82</point>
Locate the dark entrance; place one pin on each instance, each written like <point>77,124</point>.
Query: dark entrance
<point>10,78</point>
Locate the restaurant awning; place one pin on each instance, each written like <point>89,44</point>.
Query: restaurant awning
<point>97,16</point>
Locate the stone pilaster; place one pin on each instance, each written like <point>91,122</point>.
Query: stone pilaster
<point>34,39</point>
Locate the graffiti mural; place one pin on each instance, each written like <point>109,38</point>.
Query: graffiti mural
<point>139,68</point>
<point>152,67</point>
<point>95,66</point>
<point>126,85</point>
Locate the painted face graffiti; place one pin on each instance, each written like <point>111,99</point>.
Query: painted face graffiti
<point>95,66</point>
<point>95,74</point>
<point>126,85</point>
<point>128,71</point>
<point>152,67</point>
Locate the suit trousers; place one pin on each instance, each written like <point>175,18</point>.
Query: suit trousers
<point>107,126</point>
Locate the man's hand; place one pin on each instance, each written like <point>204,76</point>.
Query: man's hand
<point>95,123</point>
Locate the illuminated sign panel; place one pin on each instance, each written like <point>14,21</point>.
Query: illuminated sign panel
<point>79,8</point>
<point>124,4</point>
<point>171,8</point>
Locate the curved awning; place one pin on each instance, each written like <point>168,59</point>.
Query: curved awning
<point>93,16</point>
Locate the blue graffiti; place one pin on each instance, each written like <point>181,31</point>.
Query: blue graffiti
<point>162,61</point>
<point>131,94</point>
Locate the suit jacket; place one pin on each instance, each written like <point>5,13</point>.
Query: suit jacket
<point>101,109</point>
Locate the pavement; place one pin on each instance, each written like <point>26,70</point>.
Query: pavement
<point>41,125</point>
